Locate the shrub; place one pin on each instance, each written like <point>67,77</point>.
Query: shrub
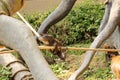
<point>5,73</point>
<point>81,24</point>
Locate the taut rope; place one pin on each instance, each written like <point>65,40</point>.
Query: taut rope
<point>69,48</point>
<point>52,47</point>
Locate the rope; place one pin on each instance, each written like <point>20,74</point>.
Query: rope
<point>52,47</point>
<point>78,48</point>
<point>69,48</point>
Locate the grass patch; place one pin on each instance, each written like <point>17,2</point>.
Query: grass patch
<point>5,73</point>
<point>98,68</point>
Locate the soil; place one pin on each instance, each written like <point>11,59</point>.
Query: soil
<point>74,61</point>
<point>41,5</point>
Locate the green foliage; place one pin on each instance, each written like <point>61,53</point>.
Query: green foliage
<point>49,54</point>
<point>99,74</point>
<point>98,70</point>
<point>59,67</point>
<point>78,52</point>
<point>35,19</point>
<point>81,24</point>
<point>5,73</point>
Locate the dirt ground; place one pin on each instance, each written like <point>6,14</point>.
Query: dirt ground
<point>74,62</point>
<point>31,6</point>
<point>40,5</point>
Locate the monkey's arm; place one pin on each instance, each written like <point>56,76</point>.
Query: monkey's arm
<point>60,12</point>
<point>9,7</point>
<point>16,35</point>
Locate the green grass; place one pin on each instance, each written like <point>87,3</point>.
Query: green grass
<point>98,69</point>
<point>5,73</point>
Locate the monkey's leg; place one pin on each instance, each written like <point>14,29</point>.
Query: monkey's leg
<point>105,17</point>
<point>16,35</point>
<point>104,34</point>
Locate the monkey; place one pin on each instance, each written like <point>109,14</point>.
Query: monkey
<point>106,2</point>
<point>49,40</point>
<point>9,7</point>
<point>114,58</point>
<point>106,46</point>
<point>2,48</point>
<point>115,65</point>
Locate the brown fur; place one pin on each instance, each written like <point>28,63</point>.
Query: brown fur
<point>51,41</point>
<point>115,66</point>
<point>114,58</point>
<point>9,7</point>
<point>106,2</point>
<point>110,54</point>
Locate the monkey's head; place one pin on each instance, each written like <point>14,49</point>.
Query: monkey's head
<point>62,55</point>
<point>47,39</point>
<point>112,54</point>
<point>108,53</point>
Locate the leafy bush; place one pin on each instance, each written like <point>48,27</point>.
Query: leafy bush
<point>35,19</point>
<point>99,74</point>
<point>5,73</point>
<point>81,23</point>
<point>58,68</point>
